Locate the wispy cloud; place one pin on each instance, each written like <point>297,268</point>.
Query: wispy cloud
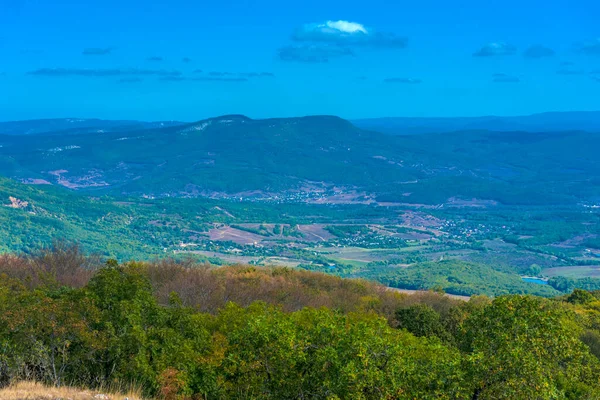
<point>591,47</point>
<point>346,33</point>
<point>495,49</point>
<point>411,81</point>
<point>313,53</point>
<point>186,60</point>
<point>97,51</point>
<point>505,78</point>
<point>538,51</point>
<point>63,72</point>
<point>155,59</point>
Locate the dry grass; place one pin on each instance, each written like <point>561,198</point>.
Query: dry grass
<point>38,391</point>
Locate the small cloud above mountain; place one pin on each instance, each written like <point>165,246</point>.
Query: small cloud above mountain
<point>505,78</point>
<point>323,41</point>
<point>538,51</point>
<point>346,33</point>
<point>96,51</point>
<point>495,49</point>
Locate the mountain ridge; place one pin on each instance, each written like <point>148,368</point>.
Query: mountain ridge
<point>312,156</point>
<point>552,121</point>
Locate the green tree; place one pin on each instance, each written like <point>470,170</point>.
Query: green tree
<point>579,296</point>
<point>422,320</point>
<point>524,347</point>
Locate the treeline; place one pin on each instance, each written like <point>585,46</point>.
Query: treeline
<point>458,277</point>
<point>183,331</point>
<point>566,284</point>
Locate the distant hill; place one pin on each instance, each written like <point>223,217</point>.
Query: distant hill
<point>226,154</point>
<point>306,158</point>
<point>545,122</point>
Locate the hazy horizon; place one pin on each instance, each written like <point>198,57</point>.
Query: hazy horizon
<point>308,115</point>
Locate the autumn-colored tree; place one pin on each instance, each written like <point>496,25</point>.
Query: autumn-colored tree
<point>140,323</point>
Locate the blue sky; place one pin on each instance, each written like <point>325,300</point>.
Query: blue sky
<point>188,60</point>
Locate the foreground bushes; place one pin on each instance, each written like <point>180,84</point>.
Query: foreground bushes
<point>114,330</point>
<point>122,326</point>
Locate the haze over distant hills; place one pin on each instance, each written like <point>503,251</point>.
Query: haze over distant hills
<point>76,125</point>
<point>588,121</point>
<point>310,157</point>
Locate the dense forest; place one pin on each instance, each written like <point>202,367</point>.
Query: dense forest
<point>182,330</point>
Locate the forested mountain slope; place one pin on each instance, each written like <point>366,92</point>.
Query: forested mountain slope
<point>311,157</point>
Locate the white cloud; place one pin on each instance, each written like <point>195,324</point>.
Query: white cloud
<point>346,26</point>
<point>347,33</point>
